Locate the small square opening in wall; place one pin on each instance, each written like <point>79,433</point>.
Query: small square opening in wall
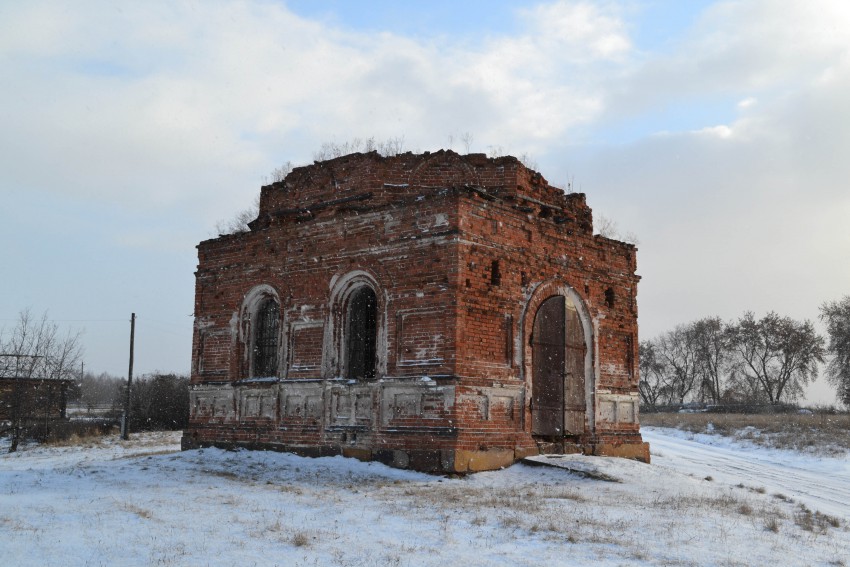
<point>495,274</point>
<point>609,297</point>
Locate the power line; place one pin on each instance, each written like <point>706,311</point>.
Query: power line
<point>79,320</point>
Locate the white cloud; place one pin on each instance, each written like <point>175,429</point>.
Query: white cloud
<point>159,104</point>
<point>747,102</point>
<point>759,49</point>
<point>580,31</point>
<point>721,131</point>
<point>749,214</point>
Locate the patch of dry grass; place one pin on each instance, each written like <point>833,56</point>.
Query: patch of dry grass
<point>815,522</point>
<point>149,453</point>
<point>772,524</point>
<point>543,510</point>
<point>230,475</point>
<point>300,539</point>
<point>820,433</point>
<point>137,510</point>
<point>570,515</point>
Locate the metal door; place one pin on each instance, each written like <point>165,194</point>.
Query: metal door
<point>548,358</point>
<point>557,350</point>
<point>574,402</point>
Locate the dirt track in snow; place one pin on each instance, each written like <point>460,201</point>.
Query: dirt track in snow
<point>822,484</point>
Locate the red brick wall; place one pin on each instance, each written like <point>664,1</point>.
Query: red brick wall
<point>457,247</point>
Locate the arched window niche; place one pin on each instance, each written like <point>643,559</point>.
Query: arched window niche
<point>358,327</point>
<point>261,332</point>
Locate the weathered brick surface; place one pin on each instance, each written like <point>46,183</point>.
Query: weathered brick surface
<point>460,251</point>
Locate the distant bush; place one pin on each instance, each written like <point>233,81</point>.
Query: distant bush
<point>159,402</point>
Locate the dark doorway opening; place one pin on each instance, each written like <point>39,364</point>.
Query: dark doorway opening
<point>362,334</point>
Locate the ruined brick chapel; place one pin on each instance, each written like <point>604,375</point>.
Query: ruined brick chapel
<point>434,311</point>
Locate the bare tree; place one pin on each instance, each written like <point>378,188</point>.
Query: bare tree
<point>239,222</point>
<point>608,228</point>
<point>495,151</point>
<point>32,350</point>
<point>525,158</point>
<point>713,343</point>
<point>677,351</point>
<point>743,388</point>
<point>389,147</point>
<point>528,161</point>
<point>778,353</point>
<point>392,146</point>
<point>653,388</point>
<point>466,138</point>
<point>836,315</point>
<point>280,173</point>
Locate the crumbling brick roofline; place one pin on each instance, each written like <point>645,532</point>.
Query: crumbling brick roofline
<point>370,180</point>
<point>398,181</point>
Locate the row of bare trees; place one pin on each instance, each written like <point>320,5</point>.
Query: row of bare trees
<point>753,361</point>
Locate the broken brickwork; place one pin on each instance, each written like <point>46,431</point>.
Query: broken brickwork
<point>436,311</point>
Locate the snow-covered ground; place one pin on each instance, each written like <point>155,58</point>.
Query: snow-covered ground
<point>821,483</point>
<point>143,502</point>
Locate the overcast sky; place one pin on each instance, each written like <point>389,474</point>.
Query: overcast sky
<point>717,132</point>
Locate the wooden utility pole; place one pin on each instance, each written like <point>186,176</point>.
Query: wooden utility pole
<point>125,419</point>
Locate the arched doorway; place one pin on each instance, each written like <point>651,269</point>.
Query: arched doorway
<point>558,350</point>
